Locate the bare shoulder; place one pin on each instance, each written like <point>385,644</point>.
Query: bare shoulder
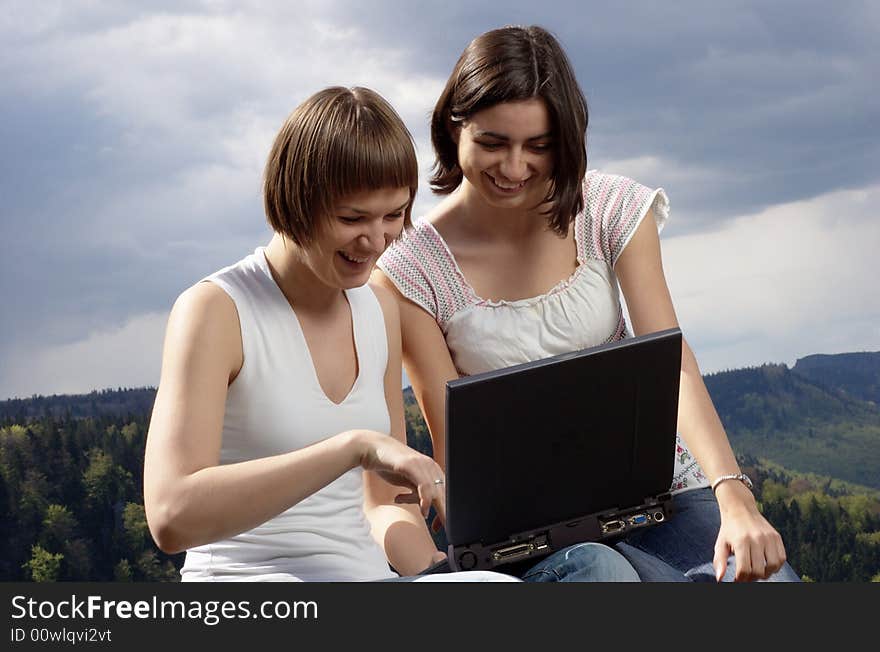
<point>205,303</point>
<point>642,253</point>
<point>386,293</point>
<point>204,323</point>
<point>384,287</point>
<point>391,313</point>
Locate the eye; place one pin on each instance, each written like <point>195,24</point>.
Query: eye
<point>348,219</point>
<point>541,147</point>
<point>394,216</point>
<point>490,147</point>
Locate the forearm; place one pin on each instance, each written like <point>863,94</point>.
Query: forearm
<point>402,533</point>
<point>220,501</point>
<point>701,428</point>
<point>432,402</point>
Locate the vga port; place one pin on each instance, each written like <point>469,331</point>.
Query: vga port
<point>638,519</point>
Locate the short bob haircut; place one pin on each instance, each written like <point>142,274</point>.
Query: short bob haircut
<point>510,64</point>
<point>338,142</point>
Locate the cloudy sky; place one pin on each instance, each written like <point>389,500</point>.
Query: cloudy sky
<point>134,134</point>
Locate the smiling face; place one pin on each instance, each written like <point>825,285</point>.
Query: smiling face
<point>506,154</point>
<point>351,239</point>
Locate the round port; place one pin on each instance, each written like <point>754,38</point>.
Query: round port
<point>659,517</point>
<point>467,561</point>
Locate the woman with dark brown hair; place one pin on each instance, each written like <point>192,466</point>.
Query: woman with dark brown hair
<point>522,260</point>
<point>276,448</point>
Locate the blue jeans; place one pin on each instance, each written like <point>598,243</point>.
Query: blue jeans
<point>463,576</point>
<point>681,550</point>
<point>582,562</point>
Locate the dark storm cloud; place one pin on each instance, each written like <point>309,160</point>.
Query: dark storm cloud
<point>774,101</point>
<point>134,132</point>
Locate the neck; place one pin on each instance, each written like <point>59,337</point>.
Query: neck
<point>299,284</point>
<point>484,220</point>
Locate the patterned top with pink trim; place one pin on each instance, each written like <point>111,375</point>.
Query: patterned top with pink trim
<point>581,311</point>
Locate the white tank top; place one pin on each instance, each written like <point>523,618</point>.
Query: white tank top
<point>276,405</point>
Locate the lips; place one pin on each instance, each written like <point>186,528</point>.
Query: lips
<point>359,260</point>
<point>508,188</point>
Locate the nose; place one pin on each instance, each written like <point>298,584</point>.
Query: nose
<point>374,237</point>
<point>514,165</point>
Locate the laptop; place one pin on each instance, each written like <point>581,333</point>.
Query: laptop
<point>574,448</point>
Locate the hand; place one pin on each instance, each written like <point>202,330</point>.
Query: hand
<point>746,533</point>
<point>400,465</point>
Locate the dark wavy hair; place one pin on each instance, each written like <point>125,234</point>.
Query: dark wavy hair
<point>510,64</point>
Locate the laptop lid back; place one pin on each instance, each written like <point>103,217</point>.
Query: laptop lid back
<point>558,438</point>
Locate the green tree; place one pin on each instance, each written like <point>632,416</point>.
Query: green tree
<point>78,564</point>
<point>137,532</point>
<point>32,504</point>
<point>6,525</point>
<point>150,568</point>
<point>122,572</point>
<point>43,565</point>
<point>106,483</point>
<point>59,526</point>
<point>107,488</point>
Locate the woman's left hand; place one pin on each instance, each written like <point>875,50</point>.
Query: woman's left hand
<point>747,535</point>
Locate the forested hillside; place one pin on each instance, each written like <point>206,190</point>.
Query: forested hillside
<point>71,474</point>
<point>107,403</point>
<point>71,501</point>
<point>776,413</point>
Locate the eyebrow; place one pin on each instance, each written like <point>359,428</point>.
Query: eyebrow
<point>492,134</point>
<point>361,211</point>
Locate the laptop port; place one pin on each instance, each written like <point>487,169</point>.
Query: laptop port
<point>612,526</point>
<point>513,552</point>
<point>638,519</point>
<point>659,517</point>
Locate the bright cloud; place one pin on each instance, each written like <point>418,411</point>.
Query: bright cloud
<point>789,281</point>
<point>129,356</point>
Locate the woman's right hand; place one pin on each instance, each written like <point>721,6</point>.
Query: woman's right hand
<point>402,466</point>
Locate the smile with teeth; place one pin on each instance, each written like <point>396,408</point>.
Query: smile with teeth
<point>507,186</point>
<point>354,259</point>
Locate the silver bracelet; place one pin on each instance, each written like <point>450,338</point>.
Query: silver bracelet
<point>742,477</point>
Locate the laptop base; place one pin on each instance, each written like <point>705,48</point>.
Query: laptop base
<point>536,544</point>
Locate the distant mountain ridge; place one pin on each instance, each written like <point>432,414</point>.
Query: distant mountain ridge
<point>819,416</point>
<point>105,403</point>
<point>856,374</point>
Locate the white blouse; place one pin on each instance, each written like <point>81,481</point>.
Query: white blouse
<point>581,311</point>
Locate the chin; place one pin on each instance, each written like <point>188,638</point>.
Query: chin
<point>523,201</point>
<point>352,282</point>
<point>530,196</point>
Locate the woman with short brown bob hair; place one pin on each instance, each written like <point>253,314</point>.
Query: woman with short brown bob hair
<point>338,142</point>
<point>525,258</point>
<point>276,449</point>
